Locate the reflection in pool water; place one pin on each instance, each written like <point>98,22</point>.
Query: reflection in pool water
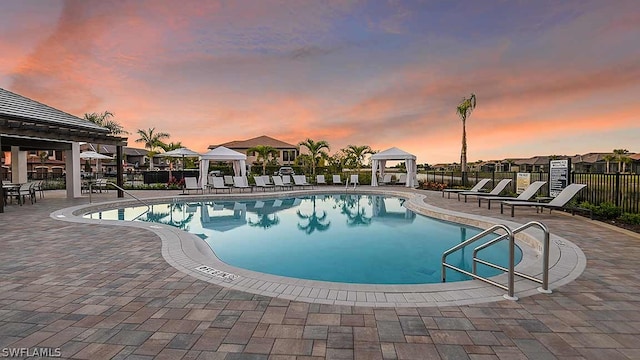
<point>346,238</point>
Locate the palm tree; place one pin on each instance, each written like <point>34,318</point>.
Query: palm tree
<point>621,154</point>
<point>262,153</point>
<point>168,147</point>
<point>464,110</point>
<point>265,221</point>
<point>609,158</point>
<point>105,120</point>
<point>316,152</point>
<point>355,155</point>
<point>152,141</point>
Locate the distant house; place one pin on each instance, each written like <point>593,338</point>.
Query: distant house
<point>287,153</point>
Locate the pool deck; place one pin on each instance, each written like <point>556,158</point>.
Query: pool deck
<point>100,291</point>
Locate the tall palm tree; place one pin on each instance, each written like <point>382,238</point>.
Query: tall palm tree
<point>464,110</point>
<point>316,152</point>
<point>262,154</point>
<point>152,141</point>
<point>620,155</point>
<point>105,119</point>
<point>608,159</point>
<point>168,147</point>
<point>355,155</point>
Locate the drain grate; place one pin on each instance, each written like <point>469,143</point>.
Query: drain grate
<point>217,273</point>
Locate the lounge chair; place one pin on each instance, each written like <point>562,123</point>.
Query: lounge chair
<point>495,192</point>
<point>191,183</point>
<point>228,180</point>
<point>557,203</point>
<point>217,183</point>
<point>300,180</point>
<point>402,179</point>
<point>277,181</point>
<point>527,194</point>
<point>353,180</point>
<point>320,180</point>
<point>336,180</point>
<point>286,179</point>
<point>386,179</point>
<point>241,182</point>
<point>476,187</point>
<point>261,184</point>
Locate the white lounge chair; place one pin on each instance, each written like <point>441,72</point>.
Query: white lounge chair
<point>217,183</point>
<point>495,192</point>
<point>261,184</point>
<point>353,180</point>
<point>228,180</point>
<point>191,183</point>
<point>336,180</point>
<point>476,187</point>
<point>557,203</point>
<point>527,194</point>
<point>241,182</point>
<point>277,182</point>
<point>402,179</point>
<point>300,180</point>
<point>320,180</point>
<point>386,179</point>
<point>286,179</point>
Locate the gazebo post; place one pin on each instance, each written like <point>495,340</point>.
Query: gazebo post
<point>119,171</point>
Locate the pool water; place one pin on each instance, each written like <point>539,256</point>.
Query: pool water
<point>369,239</point>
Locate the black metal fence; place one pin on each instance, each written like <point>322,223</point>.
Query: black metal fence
<point>622,190</point>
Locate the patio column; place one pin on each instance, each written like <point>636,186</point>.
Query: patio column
<point>119,170</point>
<point>72,166</point>
<point>18,165</point>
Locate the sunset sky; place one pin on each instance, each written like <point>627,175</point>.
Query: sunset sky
<point>551,77</point>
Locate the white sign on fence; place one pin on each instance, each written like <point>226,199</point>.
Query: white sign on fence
<point>522,182</point>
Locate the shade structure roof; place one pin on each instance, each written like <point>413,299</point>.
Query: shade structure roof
<point>393,154</point>
<point>222,153</point>
<point>94,155</point>
<point>180,153</point>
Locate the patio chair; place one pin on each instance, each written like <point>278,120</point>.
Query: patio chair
<point>277,182</point>
<point>217,183</point>
<point>495,192</point>
<point>336,180</point>
<point>320,180</point>
<point>22,192</point>
<point>385,180</point>
<point>191,183</point>
<point>476,187</point>
<point>286,179</point>
<point>300,180</point>
<point>353,180</point>
<point>402,179</point>
<point>241,182</point>
<point>558,202</point>
<point>228,180</point>
<point>261,184</point>
<point>527,194</point>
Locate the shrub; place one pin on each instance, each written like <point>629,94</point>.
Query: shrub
<point>630,218</point>
<point>432,185</point>
<point>605,210</point>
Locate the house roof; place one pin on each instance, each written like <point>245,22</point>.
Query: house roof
<point>26,118</point>
<point>260,140</point>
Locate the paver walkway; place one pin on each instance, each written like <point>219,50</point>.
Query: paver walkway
<point>99,292</point>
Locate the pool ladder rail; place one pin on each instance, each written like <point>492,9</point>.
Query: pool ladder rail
<point>509,234</point>
<point>126,192</point>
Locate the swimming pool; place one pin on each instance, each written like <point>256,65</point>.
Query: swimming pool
<point>369,239</point>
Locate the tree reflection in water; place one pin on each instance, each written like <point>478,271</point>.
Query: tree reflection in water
<point>356,216</point>
<point>314,222</point>
<point>265,221</point>
<point>159,216</point>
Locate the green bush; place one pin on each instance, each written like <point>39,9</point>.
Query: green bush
<point>629,218</point>
<point>605,210</point>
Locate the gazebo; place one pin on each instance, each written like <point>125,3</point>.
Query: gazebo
<point>222,153</point>
<point>27,125</point>
<point>379,161</point>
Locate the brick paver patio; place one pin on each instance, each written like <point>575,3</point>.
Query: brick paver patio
<point>100,292</point>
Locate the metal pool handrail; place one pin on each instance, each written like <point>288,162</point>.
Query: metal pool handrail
<point>508,234</point>
<point>545,256</point>
<point>128,193</point>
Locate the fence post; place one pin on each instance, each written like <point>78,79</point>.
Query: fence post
<point>493,179</point>
<point>616,190</point>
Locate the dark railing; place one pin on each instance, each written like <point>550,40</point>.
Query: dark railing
<point>622,190</point>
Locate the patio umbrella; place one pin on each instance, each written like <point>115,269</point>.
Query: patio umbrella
<point>180,153</point>
<point>90,155</point>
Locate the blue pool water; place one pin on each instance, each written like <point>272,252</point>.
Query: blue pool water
<point>371,239</point>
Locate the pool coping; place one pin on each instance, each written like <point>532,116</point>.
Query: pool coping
<point>192,255</point>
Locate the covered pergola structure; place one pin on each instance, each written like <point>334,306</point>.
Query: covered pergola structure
<point>27,125</point>
<point>379,161</point>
